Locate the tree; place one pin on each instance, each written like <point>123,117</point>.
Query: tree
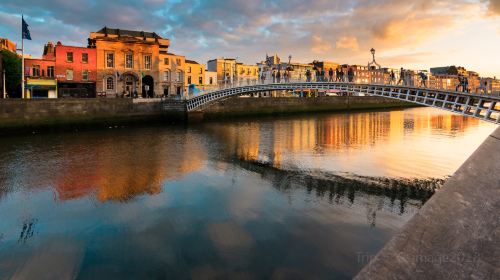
<point>12,65</point>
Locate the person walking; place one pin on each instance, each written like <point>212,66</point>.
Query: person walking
<point>401,76</point>
<point>466,84</point>
<point>308,75</point>
<point>322,75</point>
<point>278,77</point>
<point>392,78</point>
<point>263,78</point>
<point>483,88</point>
<point>330,75</point>
<point>423,79</point>
<point>274,77</point>
<point>460,83</point>
<point>350,75</point>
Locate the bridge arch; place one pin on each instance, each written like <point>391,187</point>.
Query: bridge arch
<point>483,107</point>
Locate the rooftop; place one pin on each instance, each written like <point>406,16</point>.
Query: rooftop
<point>131,33</point>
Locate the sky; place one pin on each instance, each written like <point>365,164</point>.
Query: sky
<point>416,34</point>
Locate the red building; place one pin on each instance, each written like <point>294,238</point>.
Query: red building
<point>75,71</point>
<point>40,79</point>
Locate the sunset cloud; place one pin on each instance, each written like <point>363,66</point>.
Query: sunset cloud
<point>350,43</point>
<point>342,31</point>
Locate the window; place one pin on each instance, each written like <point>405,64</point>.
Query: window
<point>211,80</point>
<point>110,83</point>
<point>200,80</point>
<point>85,58</point>
<point>85,75</point>
<point>69,74</point>
<point>110,60</point>
<point>179,76</point>
<point>201,70</point>
<point>147,62</point>
<point>189,69</point>
<point>36,70</point>
<point>178,62</point>
<point>166,76</point>
<point>189,79</point>
<point>129,60</point>
<point>166,61</point>
<point>69,56</point>
<point>50,71</point>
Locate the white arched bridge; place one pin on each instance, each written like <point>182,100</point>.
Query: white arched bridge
<point>484,107</point>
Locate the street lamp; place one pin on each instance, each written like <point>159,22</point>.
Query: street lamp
<point>370,64</point>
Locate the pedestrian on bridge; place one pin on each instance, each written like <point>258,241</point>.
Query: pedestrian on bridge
<point>322,75</point>
<point>460,83</point>
<point>423,79</point>
<point>401,76</point>
<point>350,75</point>
<point>330,75</point>
<point>308,75</point>
<point>337,75</point>
<point>278,77</point>
<point>392,77</point>
<point>263,78</point>
<point>274,77</point>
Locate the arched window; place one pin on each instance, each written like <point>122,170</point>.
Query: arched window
<point>110,83</point>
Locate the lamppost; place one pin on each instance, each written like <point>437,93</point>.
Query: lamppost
<point>372,51</point>
<point>371,66</point>
<point>3,86</point>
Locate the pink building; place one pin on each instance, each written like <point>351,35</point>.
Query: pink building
<point>75,70</point>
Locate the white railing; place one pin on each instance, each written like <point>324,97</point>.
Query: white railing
<point>483,107</point>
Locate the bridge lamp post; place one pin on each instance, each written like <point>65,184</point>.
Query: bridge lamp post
<point>372,64</point>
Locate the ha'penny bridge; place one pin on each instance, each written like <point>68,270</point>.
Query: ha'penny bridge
<point>484,107</point>
<point>456,233</point>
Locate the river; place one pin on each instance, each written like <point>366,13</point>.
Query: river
<point>310,196</point>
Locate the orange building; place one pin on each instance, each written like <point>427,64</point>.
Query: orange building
<point>128,62</point>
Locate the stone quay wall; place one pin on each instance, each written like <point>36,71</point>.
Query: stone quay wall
<point>248,106</point>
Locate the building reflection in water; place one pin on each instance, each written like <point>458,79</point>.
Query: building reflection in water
<point>114,166</point>
<point>393,143</point>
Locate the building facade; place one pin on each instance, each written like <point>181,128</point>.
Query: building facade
<point>172,72</point>
<point>40,77</point>
<point>128,62</point>
<point>195,74</point>
<point>75,70</point>
<point>210,80</point>
<point>246,74</point>
<point>225,69</point>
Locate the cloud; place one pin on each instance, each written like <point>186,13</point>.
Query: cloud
<point>204,29</point>
<point>346,42</point>
<point>319,46</point>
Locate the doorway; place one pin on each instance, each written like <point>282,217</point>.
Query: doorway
<point>147,87</point>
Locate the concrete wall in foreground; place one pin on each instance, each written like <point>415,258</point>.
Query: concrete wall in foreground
<point>244,106</point>
<point>456,234</point>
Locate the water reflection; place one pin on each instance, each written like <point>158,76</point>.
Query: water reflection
<point>276,198</point>
<point>416,143</point>
<point>112,165</point>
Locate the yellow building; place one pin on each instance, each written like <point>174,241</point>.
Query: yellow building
<point>128,62</point>
<point>247,73</point>
<point>225,69</point>
<point>195,73</point>
<point>172,71</point>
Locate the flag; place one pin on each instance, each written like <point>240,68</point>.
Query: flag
<point>26,32</point>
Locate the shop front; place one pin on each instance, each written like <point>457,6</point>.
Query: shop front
<point>41,88</point>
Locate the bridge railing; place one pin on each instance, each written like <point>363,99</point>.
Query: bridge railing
<point>268,80</point>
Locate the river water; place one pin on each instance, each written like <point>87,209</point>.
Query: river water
<point>310,196</point>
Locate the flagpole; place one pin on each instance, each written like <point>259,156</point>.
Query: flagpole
<point>22,63</point>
